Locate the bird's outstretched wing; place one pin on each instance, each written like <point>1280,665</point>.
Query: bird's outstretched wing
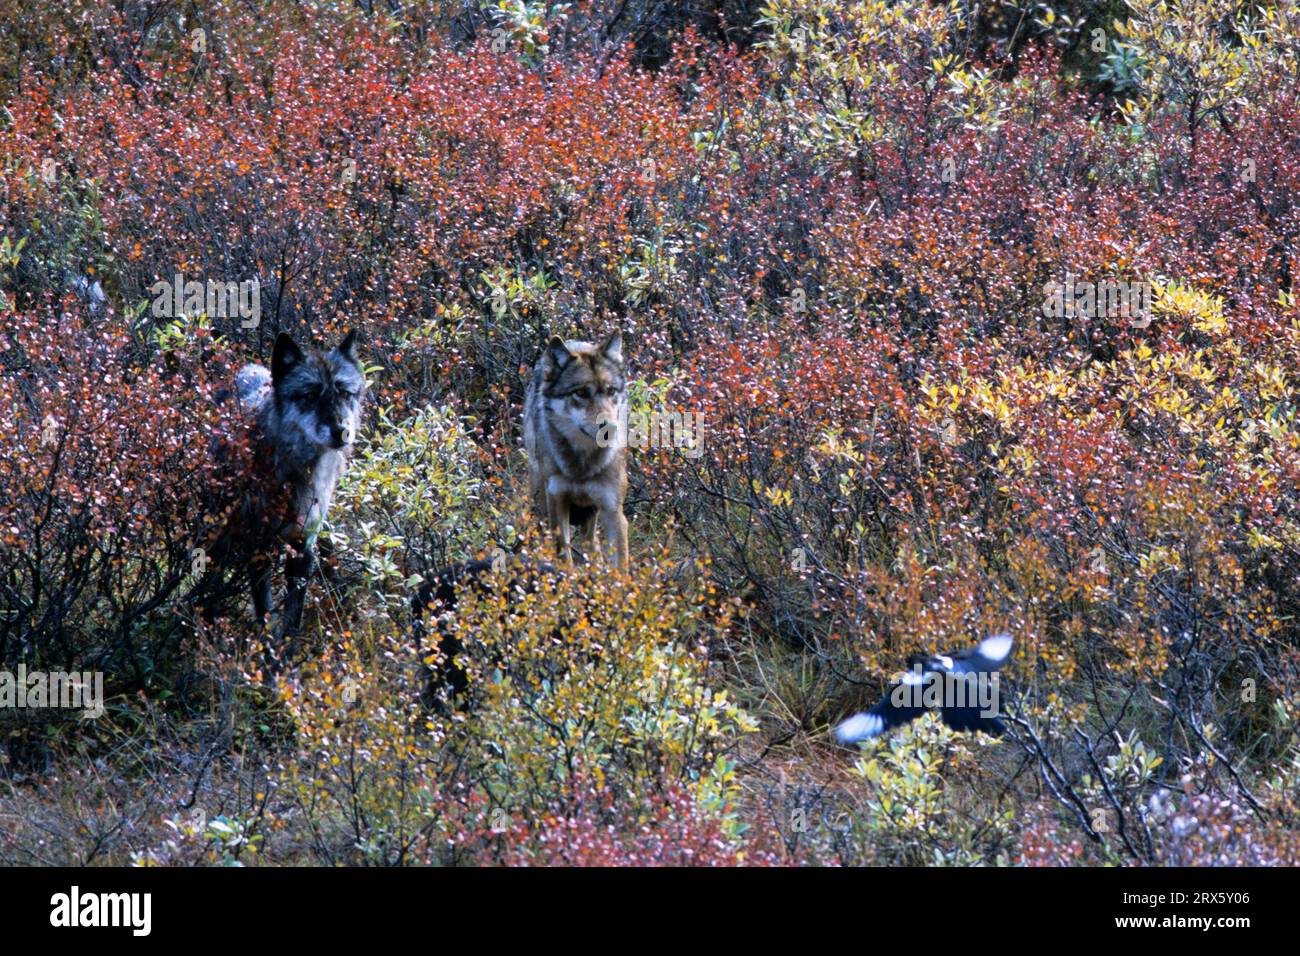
<point>886,715</point>
<point>990,654</point>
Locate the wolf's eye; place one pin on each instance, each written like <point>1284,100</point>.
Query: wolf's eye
<point>586,392</point>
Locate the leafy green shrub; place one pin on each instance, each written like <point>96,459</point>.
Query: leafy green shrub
<point>919,812</point>
<point>412,496</point>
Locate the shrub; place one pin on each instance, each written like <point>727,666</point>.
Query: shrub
<point>585,679</point>
<point>112,497</point>
<point>921,811</point>
<point>414,494</point>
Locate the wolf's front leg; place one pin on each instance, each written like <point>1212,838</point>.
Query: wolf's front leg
<point>259,582</point>
<point>613,528</point>
<point>297,572</point>
<point>558,505</point>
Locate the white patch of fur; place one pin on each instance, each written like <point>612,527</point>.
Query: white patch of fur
<point>253,384</point>
<point>315,497</point>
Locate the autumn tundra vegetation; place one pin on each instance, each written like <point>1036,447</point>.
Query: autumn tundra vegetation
<point>984,319</point>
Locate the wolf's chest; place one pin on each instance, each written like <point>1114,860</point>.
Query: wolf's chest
<point>594,494</point>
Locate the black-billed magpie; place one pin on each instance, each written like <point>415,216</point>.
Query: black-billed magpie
<point>960,686</point>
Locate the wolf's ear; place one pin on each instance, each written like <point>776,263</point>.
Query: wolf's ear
<point>284,356</point>
<point>557,355</point>
<point>613,347</point>
<point>347,348</point>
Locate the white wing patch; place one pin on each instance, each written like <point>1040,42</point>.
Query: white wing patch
<point>859,727</point>
<point>996,648</point>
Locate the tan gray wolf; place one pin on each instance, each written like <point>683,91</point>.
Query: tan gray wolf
<point>305,412</point>
<point>575,408</point>
<point>962,686</point>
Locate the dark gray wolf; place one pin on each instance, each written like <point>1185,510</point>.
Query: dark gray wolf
<point>305,412</point>
<point>575,414</point>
